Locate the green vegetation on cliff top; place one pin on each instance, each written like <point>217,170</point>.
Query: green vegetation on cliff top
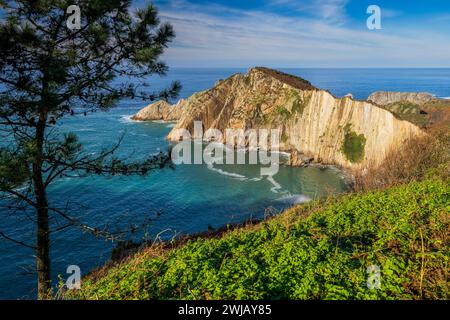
<point>320,250</point>
<point>408,111</point>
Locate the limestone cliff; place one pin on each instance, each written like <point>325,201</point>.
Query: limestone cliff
<point>385,97</point>
<point>313,122</point>
<point>161,110</point>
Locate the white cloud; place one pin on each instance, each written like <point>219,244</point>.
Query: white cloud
<point>329,10</point>
<point>214,35</point>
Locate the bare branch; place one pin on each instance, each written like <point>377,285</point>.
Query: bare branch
<point>17,241</point>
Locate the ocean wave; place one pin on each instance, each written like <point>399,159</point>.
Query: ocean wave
<point>164,121</point>
<point>86,130</point>
<point>276,186</point>
<point>126,119</point>
<point>294,199</point>
<point>138,134</point>
<point>226,173</point>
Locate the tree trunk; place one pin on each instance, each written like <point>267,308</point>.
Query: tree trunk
<point>43,248</point>
<point>43,239</point>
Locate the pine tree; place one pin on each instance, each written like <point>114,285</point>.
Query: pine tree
<point>49,71</point>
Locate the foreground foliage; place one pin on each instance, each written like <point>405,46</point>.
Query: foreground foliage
<point>316,251</point>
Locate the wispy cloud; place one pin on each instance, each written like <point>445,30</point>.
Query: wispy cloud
<point>329,10</point>
<point>217,35</point>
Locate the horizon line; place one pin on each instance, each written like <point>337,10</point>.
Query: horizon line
<point>233,67</point>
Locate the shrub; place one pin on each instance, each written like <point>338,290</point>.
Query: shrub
<point>353,145</point>
<point>419,158</point>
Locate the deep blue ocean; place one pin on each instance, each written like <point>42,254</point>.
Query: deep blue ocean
<point>189,199</point>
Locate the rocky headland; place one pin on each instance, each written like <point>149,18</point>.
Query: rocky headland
<point>423,109</point>
<point>384,98</point>
<point>161,110</point>
<point>316,126</point>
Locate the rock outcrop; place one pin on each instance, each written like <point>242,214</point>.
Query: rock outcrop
<point>384,98</point>
<point>161,110</point>
<point>314,124</point>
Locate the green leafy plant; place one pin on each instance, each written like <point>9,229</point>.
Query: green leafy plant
<point>353,145</point>
<point>320,250</point>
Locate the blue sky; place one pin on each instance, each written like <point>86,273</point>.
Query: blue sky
<point>307,33</point>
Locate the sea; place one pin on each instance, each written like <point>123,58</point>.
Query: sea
<point>188,199</point>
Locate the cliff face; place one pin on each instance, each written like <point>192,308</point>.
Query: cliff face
<point>385,97</point>
<point>314,124</point>
<point>161,110</point>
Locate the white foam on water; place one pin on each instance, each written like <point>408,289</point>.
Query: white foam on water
<point>86,130</point>
<point>127,119</point>
<point>164,121</point>
<point>294,199</point>
<point>68,178</point>
<point>138,134</point>
<point>445,98</point>
<point>276,185</point>
<point>226,173</point>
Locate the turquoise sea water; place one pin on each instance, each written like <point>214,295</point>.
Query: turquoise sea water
<point>190,198</point>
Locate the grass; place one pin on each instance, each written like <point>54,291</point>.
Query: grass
<point>289,79</point>
<point>353,145</point>
<point>430,114</point>
<point>283,113</point>
<point>408,111</point>
<point>441,103</point>
<point>320,250</point>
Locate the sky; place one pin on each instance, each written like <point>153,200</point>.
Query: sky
<point>306,33</point>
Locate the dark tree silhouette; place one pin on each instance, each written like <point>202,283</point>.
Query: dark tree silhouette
<point>48,69</point>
